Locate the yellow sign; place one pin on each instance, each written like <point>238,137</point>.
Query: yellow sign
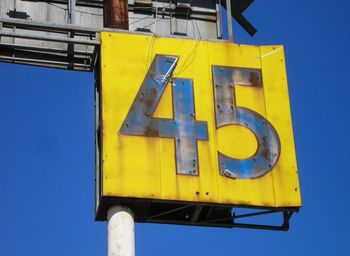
<point>196,121</point>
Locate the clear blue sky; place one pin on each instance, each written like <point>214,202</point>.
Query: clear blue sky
<point>47,150</point>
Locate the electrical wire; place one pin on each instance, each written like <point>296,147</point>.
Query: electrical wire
<point>82,12</point>
<point>190,56</point>
<point>198,30</point>
<point>187,16</point>
<point>152,23</point>
<point>140,19</point>
<point>155,24</point>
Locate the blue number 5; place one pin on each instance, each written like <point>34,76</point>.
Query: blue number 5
<point>228,113</point>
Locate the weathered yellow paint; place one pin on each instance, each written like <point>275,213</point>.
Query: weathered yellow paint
<point>144,167</point>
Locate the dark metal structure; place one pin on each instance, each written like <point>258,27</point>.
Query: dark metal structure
<point>237,9</point>
<point>81,45</point>
<point>162,212</point>
<point>66,33</point>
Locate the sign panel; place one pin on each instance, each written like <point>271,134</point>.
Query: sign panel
<point>204,122</point>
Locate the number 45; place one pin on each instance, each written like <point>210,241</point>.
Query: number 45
<point>186,130</point>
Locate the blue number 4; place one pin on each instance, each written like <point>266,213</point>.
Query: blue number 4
<point>183,128</point>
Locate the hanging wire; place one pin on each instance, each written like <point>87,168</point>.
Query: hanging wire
<point>187,17</point>
<point>152,40</point>
<point>155,23</point>
<point>57,6</point>
<point>190,56</point>
<point>141,19</point>
<point>78,11</point>
<point>198,30</point>
<point>152,23</point>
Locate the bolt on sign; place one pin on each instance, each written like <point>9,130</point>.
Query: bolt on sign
<point>189,127</point>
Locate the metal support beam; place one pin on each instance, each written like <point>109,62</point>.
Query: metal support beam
<point>218,19</point>
<point>71,11</point>
<point>42,49</point>
<point>116,14</point>
<point>229,21</point>
<point>44,26</point>
<point>170,211</point>
<point>52,38</point>
<point>31,61</point>
<point>196,213</point>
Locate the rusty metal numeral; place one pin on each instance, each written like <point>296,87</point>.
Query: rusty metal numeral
<point>183,128</point>
<point>228,113</point>
<point>188,130</point>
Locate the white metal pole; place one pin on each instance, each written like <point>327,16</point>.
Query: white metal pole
<point>229,20</point>
<point>121,231</point>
